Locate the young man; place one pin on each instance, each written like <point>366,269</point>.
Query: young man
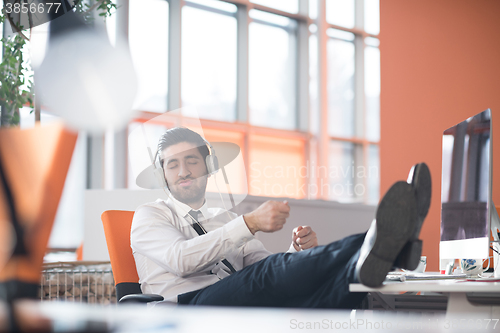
<point>228,266</point>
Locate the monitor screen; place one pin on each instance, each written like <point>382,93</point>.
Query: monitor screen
<point>466,188</point>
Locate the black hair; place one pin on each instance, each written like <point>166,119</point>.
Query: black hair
<point>177,135</point>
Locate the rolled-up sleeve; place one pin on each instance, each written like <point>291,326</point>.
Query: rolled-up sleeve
<point>154,235</point>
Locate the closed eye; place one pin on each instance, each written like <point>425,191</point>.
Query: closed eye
<point>192,160</point>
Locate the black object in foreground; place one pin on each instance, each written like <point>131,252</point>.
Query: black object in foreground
<point>26,14</point>
<point>394,225</point>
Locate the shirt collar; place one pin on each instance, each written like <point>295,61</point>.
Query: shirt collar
<point>183,210</point>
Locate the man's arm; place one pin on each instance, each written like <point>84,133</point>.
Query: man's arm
<point>303,238</point>
<point>154,236</point>
<point>271,216</point>
<point>268,217</point>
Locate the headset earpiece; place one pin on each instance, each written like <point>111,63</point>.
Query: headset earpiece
<point>212,164</point>
<point>211,160</point>
<point>158,172</point>
<point>160,177</point>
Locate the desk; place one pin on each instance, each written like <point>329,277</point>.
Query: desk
<point>456,289</point>
<point>187,319</point>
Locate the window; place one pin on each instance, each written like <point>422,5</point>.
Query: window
<point>276,167</point>
<point>341,64</point>
<point>341,12</point>
<point>208,75</point>
<point>272,71</point>
<point>148,39</point>
<point>353,99</point>
<point>296,84</point>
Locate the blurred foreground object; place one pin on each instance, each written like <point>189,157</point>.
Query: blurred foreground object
<point>33,164</point>
<point>85,80</point>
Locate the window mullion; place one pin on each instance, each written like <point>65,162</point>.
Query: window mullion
<point>302,65</point>
<point>359,105</point>
<point>323,140</point>
<point>174,54</point>
<point>302,88</point>
<point>366,184</point>
<point>359,14</point>
<point>242,17</point>
<point>242,78</point>
<point>122,19</point>
<point>359,84</point>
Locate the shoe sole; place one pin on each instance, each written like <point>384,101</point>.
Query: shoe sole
<point>422,183</point>
<point>420,179</point>
<point>395,223</point>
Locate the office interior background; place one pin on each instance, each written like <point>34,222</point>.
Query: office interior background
<point>360,88</point>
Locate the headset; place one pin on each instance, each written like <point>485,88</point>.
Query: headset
<point>211,162</point>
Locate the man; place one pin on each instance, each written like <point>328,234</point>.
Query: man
<point>227,266</point>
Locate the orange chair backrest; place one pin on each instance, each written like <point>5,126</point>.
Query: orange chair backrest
<point>117,225</point>
<point>35,162</point>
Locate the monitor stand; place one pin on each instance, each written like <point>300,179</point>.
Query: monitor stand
<point>495,224</point>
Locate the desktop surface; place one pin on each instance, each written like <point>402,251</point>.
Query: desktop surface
<point>457,289</point>
<point>438,285</point>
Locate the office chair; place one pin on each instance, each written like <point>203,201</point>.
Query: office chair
<point>33,167</point>
<point>117,225</point>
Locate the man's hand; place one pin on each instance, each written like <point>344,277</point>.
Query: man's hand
<point>303,237</point>
<point>269,217</point>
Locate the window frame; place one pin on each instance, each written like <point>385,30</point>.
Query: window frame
<point>316,144</point>
<point>359,89</point>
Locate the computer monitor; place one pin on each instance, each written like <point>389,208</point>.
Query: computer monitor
<point>466,187</point>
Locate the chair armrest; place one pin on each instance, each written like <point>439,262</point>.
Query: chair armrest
<point>140,298</point>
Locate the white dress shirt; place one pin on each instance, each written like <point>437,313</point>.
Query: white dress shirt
<point>172,259</point>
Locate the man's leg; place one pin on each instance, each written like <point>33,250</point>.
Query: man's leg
<point>318,277</point>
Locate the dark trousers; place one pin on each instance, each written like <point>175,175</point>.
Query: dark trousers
<point>315,278</point>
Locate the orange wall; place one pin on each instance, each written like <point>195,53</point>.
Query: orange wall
<point>440,63</point>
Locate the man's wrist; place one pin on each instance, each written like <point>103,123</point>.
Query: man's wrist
<point>249,221</point>
<point>292,248</point>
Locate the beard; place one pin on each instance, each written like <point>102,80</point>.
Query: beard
<point>191,194</point>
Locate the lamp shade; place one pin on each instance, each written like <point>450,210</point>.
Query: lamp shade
<point>87,82</point>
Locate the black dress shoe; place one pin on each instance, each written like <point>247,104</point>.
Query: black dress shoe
<point>420,180</point>
<point>394,225</point>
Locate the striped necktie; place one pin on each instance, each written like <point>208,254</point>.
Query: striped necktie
<point>201,231</point>
<point>196,225</point>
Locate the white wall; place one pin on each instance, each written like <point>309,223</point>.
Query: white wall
<point>330,220</point>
